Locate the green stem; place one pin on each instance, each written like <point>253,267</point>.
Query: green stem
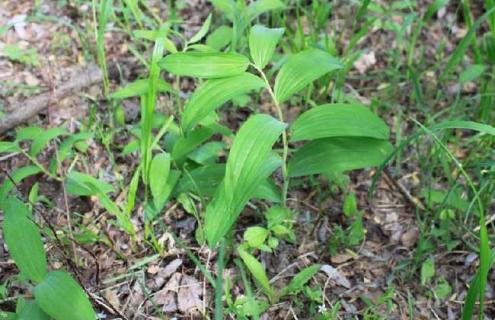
<point>219,282</point>
<point>40,166</point>
<point>285,142</point>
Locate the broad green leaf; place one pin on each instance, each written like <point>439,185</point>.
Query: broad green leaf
<point>261,6</point>
<point>6,146</point>
<point>153,209</point>
<point>220,38</point>
<point>206,179</point>
<point>255,236</point>
<point>31,311</point>
<point>223,5</point>
<point>65,147</point>
<point>262,44</point>
<point>472,73</point>
<point>4,315</point>
<point>18,175</point>
<point>338,155</point>
<point>61,297</point>
<point>214,93</point>
<point>202,32</point>
<point>203,180</point>
<point>443,289</point>
<point>300,280</point>
<point>39,137</point>
<point>249,163</point>
<point>77,184</point>
<point>28,133</point>
<point>149,100</point>
<point>338,120</point>
<point>268,190</point>
<point>140,87</point>
<point>350,205</point>
<point>278,215</point>
<point>301,69</point>
<point>427,271</point>
<point>207,153</point>
<point>258,272</point>
<point>205,64</point>
<point>187,144</point>
<point>159,171</point>
<point>23,240</point>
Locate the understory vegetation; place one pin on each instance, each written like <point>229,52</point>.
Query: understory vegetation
<point>266,159</point>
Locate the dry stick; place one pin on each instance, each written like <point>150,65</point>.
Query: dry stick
<point>83,77</point>
<point>70,263</point>
<point>403,190</point>
<point>24,110</point>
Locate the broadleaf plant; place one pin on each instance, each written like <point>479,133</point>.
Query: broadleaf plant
<point>56,293</point>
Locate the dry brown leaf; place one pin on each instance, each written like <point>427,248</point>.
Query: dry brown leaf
<point>189,296</point>
<point>336,276</point>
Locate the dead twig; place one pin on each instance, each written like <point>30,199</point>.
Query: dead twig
<point>83,77</point>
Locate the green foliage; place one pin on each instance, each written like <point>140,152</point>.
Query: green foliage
<point>139,88</point>
<point>255,236</point>
<point>258,272</point>
<point>159,172</point>
<point>15,53</point>
<point>29,310</point>
<point>24,240</point>
<point>301,69</point>
<point>205,64</point>
<point>262,44</point>
<point>61,297</point>
<point>248,164</point>
<point>214,93</point>
<point>338,120</point>
<point>84,185</point>
<point>337,155</point>
<point>208,169</point>
<point>17,176</point>
<point>300,280</point>
<point>427,271</point>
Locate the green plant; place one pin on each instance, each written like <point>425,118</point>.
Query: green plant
<point>341,131</point>
<point>192,159</point>
<point>56,293</point>
<point>27,56</point>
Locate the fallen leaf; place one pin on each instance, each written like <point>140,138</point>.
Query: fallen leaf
<point>189,297</point>
<point>334,275</point>
<point>410,237</point>
<point>341,258</point>
<point>113,298</point>
<point>164,273</point>
<point>365,61</point>
<point>153,269</point>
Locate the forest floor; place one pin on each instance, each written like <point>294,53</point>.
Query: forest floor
<point>380,278</point>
